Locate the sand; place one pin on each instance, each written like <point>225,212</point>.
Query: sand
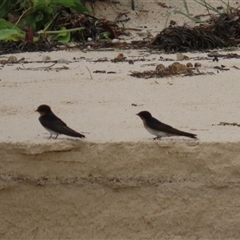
<point>118,183</point>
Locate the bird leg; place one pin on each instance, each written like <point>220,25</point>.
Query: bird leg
<point>50,136</point>
<point>157,138</point>
<point>56,136</point>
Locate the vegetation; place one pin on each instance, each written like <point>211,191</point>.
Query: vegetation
<point>38,16</point>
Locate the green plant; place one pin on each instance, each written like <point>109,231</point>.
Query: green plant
<point>9,32</point>
<point>37,14</point>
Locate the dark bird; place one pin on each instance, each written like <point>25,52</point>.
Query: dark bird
<point>160,129</point>
<point>54,124</point>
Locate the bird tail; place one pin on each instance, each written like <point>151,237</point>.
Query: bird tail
<point>76,134</point>
<point>81,135</point>
<point>190,135</point>
<point>70,132</point>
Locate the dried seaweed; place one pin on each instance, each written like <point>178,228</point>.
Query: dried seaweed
<point>93,27</point>
<point>226,124</point>
<point>24,46</point>
<point>222,31</point>
<point>173,69</point>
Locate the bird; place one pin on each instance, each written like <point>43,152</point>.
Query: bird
<point>54,124</point>
<point>160,129</point>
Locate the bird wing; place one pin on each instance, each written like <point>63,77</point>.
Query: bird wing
<point>52,122</point>
<point>159,126</point>
<point>162,127</point>
<point>55,124</point>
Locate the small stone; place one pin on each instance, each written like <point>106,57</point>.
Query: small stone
<point>12,59</point>
<point>115,40</point>
<point>197,64</point>
<point>46,58</point>
<point>160,68</point>
<point>189,65</point>
<point>63,60</point>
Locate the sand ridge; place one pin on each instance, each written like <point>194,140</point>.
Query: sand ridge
<point>151,190</point>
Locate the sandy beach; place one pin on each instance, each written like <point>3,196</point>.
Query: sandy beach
<point>118,183</point>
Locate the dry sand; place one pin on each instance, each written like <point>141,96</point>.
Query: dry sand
<point>119,184</point>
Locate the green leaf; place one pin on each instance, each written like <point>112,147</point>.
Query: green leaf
<point>105,35</point>
<point>11,35</point>
<point>30,20</point>
<point>39,16</point>
<point>62,36</point>
<point>80,7</point>
<point>37,3</point>
<point>4,24</point>
<point>4,7</point>
<point>65,3</point>
<point>75,4</point>
<point>48,10</point>
<point>8,31</point>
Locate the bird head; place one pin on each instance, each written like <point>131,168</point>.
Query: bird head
<point>44,109</point>
<point>144,115</point>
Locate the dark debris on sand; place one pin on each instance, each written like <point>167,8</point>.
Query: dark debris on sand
<point>219,32</point>
<point>10,47</point>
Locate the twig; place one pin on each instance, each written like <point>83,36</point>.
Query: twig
<point>133,5</point>
<point>24,13</point>
<point>48,66</point>
<point>89,72</point>
<point>61,31</point>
